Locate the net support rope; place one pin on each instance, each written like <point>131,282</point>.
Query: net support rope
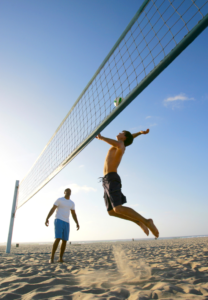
<point>157,34</point>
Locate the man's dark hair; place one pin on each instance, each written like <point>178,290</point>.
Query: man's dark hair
<point>66,190</point>
<point>129,138</point>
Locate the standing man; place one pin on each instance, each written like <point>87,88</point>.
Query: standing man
<point>114,199</point>
<point>61,223</point>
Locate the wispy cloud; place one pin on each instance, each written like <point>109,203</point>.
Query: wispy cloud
<point>81,166</point>
<point>136,128</point>
<point>176,99</point>
<point>148,117</point>
<point>75,188</point>
<point>153,124</point>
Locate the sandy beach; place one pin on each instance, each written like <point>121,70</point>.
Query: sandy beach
<point>154,269</point>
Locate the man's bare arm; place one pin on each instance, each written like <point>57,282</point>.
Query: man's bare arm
<point>113,143</point>
<point>50,214</point>
<point>74,216</point>
<point>140,132</point>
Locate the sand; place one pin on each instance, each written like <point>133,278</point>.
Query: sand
<point>149,269</point>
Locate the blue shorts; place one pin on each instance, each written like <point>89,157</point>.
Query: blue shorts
<point>61,230</point>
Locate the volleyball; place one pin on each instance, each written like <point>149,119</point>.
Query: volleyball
<point>117,101</point>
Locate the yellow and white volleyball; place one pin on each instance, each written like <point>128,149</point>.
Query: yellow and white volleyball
<point>118,101</point>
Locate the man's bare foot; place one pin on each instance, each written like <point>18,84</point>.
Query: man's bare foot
<point>51,261</point>
<point>144,228</point>
<point>60,260</point>
<point>152,228</point>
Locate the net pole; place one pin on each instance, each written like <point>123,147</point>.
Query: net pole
<point>9,240</point>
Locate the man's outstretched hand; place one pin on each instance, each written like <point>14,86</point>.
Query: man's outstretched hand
<point>140,132</point>
<point>145,132</point>
<point>99,136</point>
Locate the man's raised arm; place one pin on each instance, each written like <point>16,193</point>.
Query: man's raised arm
<point>109,141</point>
<point>140,132</point>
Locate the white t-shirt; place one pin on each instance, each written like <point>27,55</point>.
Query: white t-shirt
<point>63,209</point>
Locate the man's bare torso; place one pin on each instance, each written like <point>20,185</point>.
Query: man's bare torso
<point>113,159</point>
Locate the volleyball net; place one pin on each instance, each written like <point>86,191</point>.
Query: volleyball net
<point>158,33</point>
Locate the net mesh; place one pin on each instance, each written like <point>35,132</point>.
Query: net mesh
<point>158,29</point>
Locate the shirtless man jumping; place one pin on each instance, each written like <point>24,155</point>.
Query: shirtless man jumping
<point>114,199</point>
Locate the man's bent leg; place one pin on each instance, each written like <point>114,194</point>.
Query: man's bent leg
<point>63,247</point>
<point>55,245</point>
<point>132,214</point>
<point>114,214</point>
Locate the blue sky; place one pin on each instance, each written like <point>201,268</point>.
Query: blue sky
<point>49,52</point>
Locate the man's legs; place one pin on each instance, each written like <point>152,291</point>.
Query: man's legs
<point>55,245</point>
<point>114,214</point>
<point>131,214</point>
<point>65,238</point>
<point>63,247</point>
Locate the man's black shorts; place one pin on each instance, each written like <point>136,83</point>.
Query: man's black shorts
<point>112,191</point>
